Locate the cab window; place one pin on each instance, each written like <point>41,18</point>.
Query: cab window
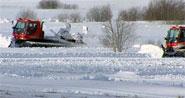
<point>182,35</point>
<point>32,27</point>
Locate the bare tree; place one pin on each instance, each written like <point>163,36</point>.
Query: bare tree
<point>75,17</point>
<point>93,14</point>
<point>69,6</point>
<point>55,4</point>
<point>27,13</point>
<point>132,14</point>
<point>119,35</point>
<point>49,4</point>
<point>106,13</point>
<point>100,14</point>
<point>165,10</point>
<point>170,10</point>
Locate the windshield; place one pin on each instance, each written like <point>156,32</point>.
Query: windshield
<point>173,33</point>
<point>20,27</point>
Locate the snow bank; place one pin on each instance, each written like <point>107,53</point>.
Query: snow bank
<point>4,41</point>
<point>154,51</point>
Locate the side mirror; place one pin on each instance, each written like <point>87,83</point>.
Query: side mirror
<point>13,27</point>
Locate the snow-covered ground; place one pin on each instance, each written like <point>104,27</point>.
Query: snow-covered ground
<point>91,71</point>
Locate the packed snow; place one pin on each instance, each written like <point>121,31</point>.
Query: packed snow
<point>91,71</point>
<point>154,51</point>
<point>88,72</point>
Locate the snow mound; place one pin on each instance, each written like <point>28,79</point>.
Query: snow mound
<point>154,51</point>
<point>4,41</point>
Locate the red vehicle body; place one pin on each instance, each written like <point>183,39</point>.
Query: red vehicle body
<point>27,29</point>
<point>175,42</point>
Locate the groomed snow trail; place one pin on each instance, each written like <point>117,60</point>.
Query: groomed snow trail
<point>91,72</point>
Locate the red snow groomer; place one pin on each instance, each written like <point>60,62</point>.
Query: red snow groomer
<point>29,33</point>
<point>175,42</point>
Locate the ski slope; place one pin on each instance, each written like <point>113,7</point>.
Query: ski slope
<point>90,72</point>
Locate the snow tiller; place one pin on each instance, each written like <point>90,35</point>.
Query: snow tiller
<point>175,42</point>
<point>29,33</point>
